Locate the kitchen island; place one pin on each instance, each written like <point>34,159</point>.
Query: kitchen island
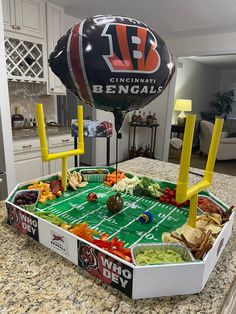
<point>35,279</point>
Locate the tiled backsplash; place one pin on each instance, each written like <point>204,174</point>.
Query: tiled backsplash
<point>25,95</point>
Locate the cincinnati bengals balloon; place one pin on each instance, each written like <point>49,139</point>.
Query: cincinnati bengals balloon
<point>113,63</point>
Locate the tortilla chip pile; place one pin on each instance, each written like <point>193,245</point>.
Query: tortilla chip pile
<point>200,239</point>
<point>74,180</point>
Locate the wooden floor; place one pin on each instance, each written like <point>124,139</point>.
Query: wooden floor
<point>221,166</point>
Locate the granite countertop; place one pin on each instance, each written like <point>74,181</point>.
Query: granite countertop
<point>34,279</point>
<point>33,132</point>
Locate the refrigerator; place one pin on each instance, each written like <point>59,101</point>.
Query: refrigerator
<point>66,111</point>
<point>3,177</point>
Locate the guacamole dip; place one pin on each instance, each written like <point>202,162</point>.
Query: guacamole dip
<point>156,256</point>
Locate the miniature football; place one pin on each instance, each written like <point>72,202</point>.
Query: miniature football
<point>115,203</point>
<point>92,197</point>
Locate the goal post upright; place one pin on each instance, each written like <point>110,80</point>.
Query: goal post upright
<point>46,156</point>
<point>183,191</point>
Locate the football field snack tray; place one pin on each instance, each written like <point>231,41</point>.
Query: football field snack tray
<point>80,228</point>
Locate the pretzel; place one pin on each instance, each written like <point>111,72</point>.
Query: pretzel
<point>205,246</point>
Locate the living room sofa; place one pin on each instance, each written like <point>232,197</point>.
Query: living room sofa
<point>227,145</point>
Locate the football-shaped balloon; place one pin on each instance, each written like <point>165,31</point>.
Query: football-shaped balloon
<point>113,63</point>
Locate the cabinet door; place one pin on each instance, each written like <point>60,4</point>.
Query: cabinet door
<point>58,163</point>
<point>28,169</point>
<point>55,30</point>
<point>8,11</point>
<point>30,17</point>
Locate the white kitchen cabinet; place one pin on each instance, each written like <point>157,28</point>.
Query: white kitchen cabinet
<point>59,144</point>
<point>29,169</point>
<point>62,141</point>
<point>24,146</point>
<point>8,9</point>
<point>55,166</point>
<point>25,59</point>
<point>28,162</point>
<point>55,30</point>
<point>24,17</point>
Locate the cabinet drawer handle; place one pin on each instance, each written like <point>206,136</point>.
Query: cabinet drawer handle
<point>64,141</point>
<point>13,26</point>
<point>27,146</point>
<point>18,27</point>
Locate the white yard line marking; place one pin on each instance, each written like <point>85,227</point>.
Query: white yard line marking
<point>70,219</point>
<point>109,219</point>
<point>64,214</point>
<point>79,218</point>
<point>155,225</point>
<point>54,210</point>
<point>66,200</point>
<point>128,224</point>
<point>67,216</point>
<point>57,212</point>
<point>124,209</point>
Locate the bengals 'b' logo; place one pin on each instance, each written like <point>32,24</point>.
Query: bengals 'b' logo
<point>87,257</point>
<point>132,49</point>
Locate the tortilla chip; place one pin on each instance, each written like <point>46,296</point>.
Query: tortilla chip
<point>166,237</point>
<point>216,218</point>
<point>209,218</point>
<point>201,224</point>
<point>191,234</point>
<point>83,184</point>
<point>202,217</point>
<point>214,229</point>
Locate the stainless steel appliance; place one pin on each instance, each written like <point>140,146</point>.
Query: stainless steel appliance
<point>67,110</point>
<point>3,177</point>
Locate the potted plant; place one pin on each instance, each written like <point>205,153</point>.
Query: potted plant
<point>222,104</point>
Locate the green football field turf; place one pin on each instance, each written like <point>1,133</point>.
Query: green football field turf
<point>74,208</point>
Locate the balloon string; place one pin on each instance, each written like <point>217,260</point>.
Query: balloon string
<point>116,155</point>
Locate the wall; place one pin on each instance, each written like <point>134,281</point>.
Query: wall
<point>227,76</point>
<point>69,21</point>
<point>5,113</point>
<point>159,106</point>
<point>25,95</point>
<point>197,81</point>
<point>123,149</point>
<point>214,44</point>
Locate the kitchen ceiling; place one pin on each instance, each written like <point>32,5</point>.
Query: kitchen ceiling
<point>171,19</point>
